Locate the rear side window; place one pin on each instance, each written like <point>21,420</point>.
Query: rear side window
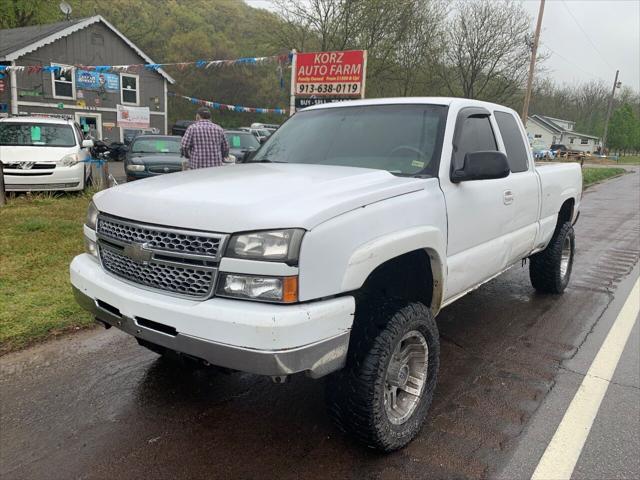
<point>476,135</point>
<point>513,142</point>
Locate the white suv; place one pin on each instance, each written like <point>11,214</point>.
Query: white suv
<point>43,153</point>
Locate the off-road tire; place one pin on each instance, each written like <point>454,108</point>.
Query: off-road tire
<point>355,394</point>
<point>545,266</point>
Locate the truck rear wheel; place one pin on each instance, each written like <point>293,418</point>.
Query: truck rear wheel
<point>550,270</point>
<point>382,396</point>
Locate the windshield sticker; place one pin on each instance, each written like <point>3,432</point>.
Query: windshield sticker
<point>235,141</point>
<point>36,133</point>
<point>417,164</point>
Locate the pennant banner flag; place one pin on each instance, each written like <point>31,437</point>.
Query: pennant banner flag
<point>230,108</point>
<point>205,64</point>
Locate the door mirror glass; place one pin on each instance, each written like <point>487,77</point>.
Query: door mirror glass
<point>482,166</point>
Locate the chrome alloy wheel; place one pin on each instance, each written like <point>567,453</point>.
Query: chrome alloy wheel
<point>566,257</point>
<point>406,377</point>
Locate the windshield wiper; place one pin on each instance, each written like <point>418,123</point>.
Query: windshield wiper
<point>264,160</point>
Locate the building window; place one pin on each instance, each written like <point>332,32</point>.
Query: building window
<point>584,141</point>
<point>571,139</point>
<point>537,135</point>
<point>129,89</point>
<point>63,82</point>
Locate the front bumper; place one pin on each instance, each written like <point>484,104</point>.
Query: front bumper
<point>253,337</point>
<point>58,178</point>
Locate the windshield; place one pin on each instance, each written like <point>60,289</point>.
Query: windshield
<point>156,145</point>
<point>402,139</point>
<point>242,140</point>
<point>37,135</point>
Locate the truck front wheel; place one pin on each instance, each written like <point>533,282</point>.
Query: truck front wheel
<point>550,269</point>
<point>382,396</point>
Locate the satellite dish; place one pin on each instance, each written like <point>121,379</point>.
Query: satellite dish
<point>65,8</point>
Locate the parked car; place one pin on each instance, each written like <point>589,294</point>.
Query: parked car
<point>130,133</point>
<point>241,144</point>
<point>333,249</point>
<point>151,155</point>
<point>269,127</point>
<point>181,126</point>
<point>260,133</point>
<point>559,148</point>
<point>541,151</point>
<point>44,153</point>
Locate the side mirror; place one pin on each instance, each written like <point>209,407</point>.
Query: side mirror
<point>87,143</point>
<point>263,139</point>
<point>482,166</point>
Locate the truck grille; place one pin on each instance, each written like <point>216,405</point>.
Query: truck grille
<point>181,262</point>
<point>160,238</point>
<point>193,282</point>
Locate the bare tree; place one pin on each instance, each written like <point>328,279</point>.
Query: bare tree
<point>485,49</point>
<point>395,33</point>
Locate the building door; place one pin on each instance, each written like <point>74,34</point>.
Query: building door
<point>90,123</point>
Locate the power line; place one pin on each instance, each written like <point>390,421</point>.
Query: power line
<point>572,63</point>
<point>586,34</point>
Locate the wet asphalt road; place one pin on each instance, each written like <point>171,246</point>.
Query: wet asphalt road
<point>95,405</point>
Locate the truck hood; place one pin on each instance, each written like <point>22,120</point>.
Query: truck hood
<point>253,196</point>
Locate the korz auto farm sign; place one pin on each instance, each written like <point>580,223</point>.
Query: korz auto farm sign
<point>334,74</point>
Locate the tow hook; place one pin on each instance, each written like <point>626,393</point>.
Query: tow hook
<point>104,324</point>
<point>281,379</point>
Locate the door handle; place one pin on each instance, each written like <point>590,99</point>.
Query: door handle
<point>507,197</point>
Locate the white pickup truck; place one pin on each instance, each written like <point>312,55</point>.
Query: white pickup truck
<point>333,249</point>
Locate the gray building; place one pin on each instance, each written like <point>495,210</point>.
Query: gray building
<point>91,96</point>
<point>554,131</point>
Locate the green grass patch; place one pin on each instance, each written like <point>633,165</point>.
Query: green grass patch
<point>596,174</point>
<point>629,160</point>
<point>39,235</point>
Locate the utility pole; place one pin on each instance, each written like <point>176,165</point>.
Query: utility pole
<point>2,194</point>
<point>532,65</point>
<point>606,121</point>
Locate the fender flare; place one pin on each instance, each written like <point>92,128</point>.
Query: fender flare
<point>369,256</point>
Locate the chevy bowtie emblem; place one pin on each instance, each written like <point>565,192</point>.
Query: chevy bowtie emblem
<point>27,165</point>
<point>138,252</point>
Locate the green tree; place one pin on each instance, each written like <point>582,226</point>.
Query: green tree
<point>22,13</point>
<point>622,129</point>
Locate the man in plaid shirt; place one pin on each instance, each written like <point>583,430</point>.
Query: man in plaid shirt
<point>204,142</point>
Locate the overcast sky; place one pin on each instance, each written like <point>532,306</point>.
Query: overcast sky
<point>589,39</point>
<point>586,39</point>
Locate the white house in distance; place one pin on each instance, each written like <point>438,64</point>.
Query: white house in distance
<point>550,131</point>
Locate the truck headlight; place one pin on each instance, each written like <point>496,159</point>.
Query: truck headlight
<point>251,287</point>
<point>92,216</point>
<point>135,168</point>
<point>274,245</point>
<point>69,160</point>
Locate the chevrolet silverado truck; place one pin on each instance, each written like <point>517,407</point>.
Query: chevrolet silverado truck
<point>333,249</point>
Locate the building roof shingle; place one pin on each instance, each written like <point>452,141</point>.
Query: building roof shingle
<point>16,42</point>
<point>15,39</point>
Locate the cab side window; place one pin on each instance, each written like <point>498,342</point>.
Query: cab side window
<point>476,135</point>
<point>513,142</point>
